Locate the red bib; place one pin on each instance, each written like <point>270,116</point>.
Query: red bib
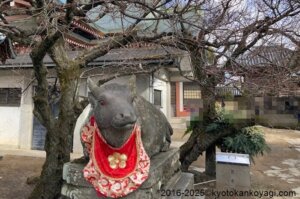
<point>115,172</point>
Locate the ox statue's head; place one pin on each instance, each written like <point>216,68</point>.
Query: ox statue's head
<point>114,112</point>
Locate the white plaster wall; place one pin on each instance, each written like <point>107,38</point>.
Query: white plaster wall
<point>10,116</point>
<point>82,119</point>
<point>162,86</point>
<point>26,115</point>
<point>9,126</point>
<point>26,126</point>
<point>168,101</point>
<point>162,82</point>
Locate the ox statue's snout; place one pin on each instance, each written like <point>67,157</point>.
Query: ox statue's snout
<point>124,120</point>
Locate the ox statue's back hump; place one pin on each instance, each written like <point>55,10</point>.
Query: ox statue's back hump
<point>156,130</point>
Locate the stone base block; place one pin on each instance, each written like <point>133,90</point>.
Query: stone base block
<point>183,188</point>
<point>164,174</point>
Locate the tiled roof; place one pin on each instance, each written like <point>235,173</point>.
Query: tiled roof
<point>266,56</point>
<point>131,55</point>
<point>143,53</point>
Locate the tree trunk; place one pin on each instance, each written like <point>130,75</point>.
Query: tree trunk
<point>189,153</point>
<point>59,137</point>
<point>199,141</point>
<point>210,160</point>
<point>208,117</point>
<point>58,146</point>
<point>57,154</point>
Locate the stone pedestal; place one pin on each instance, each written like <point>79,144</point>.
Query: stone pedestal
<point>165,174</point>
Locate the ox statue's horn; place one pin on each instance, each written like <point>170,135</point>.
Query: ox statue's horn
<point>92,85</point>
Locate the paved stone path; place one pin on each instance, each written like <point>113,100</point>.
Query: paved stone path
<point>295,143</point>
<point>290,174</point>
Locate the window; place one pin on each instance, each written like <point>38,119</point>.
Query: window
<point>192,94</point>
<point>191,91</point>
<point>10,96</point>
<point>157,97</point>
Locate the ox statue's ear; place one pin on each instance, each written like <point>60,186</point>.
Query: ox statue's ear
<point>132,85</point>
<point>92,94</point>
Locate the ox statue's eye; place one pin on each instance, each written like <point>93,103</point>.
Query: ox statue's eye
<point>101,102</point>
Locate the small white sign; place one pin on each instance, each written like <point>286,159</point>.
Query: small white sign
<point>233,158</point>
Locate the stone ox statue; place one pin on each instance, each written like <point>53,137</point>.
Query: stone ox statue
<point>121,119</point>
<point>116,109</point>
